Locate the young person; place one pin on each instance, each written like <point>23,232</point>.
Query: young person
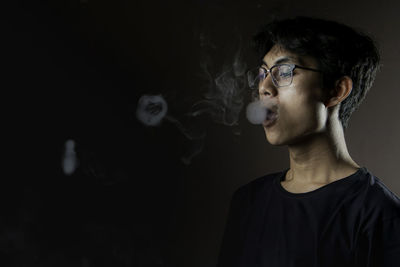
<point>325,210</point>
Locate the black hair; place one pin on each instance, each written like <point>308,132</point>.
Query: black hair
<point>339,50</point>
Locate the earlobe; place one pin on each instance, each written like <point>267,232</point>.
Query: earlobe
<point>342,90</point>
<point>331,102</point>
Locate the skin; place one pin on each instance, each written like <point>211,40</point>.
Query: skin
<point>308,124</point>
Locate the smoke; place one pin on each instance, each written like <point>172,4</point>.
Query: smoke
<point>261,110</point>
<point>256,113</point>
<point>151,109</point>
<point>222,101</point>
<point>224,98</point>
<point>69,158</point>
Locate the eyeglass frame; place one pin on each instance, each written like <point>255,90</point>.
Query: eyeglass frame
<point>292,68</point>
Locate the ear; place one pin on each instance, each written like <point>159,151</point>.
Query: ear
<point>340,92</point>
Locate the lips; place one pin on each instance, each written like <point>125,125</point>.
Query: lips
<point>271,118</point>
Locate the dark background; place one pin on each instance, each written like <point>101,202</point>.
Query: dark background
<point>76,70</point>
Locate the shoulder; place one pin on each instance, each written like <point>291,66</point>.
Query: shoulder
<point>379,195</point>
<point>380,202</point>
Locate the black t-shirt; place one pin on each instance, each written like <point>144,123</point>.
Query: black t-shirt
<point>354,221</point>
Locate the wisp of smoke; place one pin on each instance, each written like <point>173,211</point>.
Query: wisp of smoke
<point>152,110</point>
<point>224,99</point>
<point>222,102</point>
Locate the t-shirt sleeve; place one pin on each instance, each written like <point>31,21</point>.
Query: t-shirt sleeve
<point>382,245</point>
<point>233,237</point>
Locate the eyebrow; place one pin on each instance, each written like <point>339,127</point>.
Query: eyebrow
<point>281,60</point>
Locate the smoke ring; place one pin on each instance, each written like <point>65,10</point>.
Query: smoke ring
<point>151,109</point>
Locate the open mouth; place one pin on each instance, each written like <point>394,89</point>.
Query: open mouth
<point>271,118</point>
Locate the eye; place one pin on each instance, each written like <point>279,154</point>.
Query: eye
<point>285,71</point>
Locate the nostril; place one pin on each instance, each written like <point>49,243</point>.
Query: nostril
<point>265,92</point>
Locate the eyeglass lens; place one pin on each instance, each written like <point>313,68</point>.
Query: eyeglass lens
<point>281,75</point>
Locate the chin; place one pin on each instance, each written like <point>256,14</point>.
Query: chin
<point>275,139</point>
<point>287,138</point>
<point>277,142</point>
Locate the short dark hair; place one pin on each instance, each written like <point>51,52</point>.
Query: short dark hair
<point>339,49</point>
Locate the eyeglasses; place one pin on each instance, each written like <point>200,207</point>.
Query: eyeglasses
<point>282,75</point>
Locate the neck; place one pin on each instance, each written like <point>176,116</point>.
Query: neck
<point>321,159</point>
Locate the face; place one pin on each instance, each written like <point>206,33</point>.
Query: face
<point>301,113</point>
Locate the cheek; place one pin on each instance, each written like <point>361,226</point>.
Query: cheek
<point>302,111</point>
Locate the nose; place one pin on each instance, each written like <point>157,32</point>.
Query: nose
<point>267,88</point>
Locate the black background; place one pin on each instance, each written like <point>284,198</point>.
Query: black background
<point>76,69</point>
